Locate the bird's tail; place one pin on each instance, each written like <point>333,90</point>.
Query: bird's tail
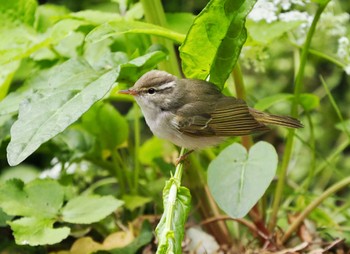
<point>266,118</point>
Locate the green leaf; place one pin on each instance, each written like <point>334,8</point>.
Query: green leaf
<point>171,241</point>
<point>89,209</point>
<point>39,198</point>
<point>17,11</point>
<point>121,26</point>
<point>179,22</point>
<point>74,88</point>
<point>6,74</point>
<point>74,143</point>
<point>95,17</point>
<point>154,148</point>
<point>132,69</point>
<point>35,231</point>
<point>213,44</point>
<point>134,201</point>
<point>26,173</point>
<point>267,102</point>
<point>238,179</point>
<point>309,101</point>
<point>108,126</point>
<point>263,32</point>
<point>4,218</point>
<point>343,126</point>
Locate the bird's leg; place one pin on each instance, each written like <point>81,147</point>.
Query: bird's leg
<point>183,157</point>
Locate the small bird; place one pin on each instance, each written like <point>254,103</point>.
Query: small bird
<point>194,114</point>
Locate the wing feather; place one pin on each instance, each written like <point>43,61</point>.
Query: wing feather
<point>228,117</point>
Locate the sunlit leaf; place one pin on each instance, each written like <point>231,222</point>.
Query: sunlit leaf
<point>238,179</point>
<point>89,209</point>
<point>73,88</point>
<point>135,201</point>
<point>309,101</point>
<point>213,44</point>
<point>107,125</point>
<point>121,26</point>
<point>39,198</point>
<point>34,231</point>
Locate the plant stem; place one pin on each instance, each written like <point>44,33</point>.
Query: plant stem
<point>136,150</point>
<point>173,195</point>
<point>154,14</point>
<point>118,171</point>
<point>241,94</point>
<point>337,186</point>
<point>290,138</point>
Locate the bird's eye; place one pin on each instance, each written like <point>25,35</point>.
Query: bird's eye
<point>151,90</point>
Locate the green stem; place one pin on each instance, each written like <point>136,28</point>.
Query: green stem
<point>117,168</point>
<point>294,112</point>
<point>136,151</point>
<point>172,196</point>
<point>335,106</point>
<point>296,223</point>
<point>241,94</point>
<point>154,14</point>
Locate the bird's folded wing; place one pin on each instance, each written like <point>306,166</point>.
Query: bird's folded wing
<point>229,117</point>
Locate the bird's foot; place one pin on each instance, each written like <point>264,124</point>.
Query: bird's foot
<point>182,157</point>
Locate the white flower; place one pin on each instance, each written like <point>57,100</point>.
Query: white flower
<point>295,16</point>
<point>263,10</point>
<point>343,48</point>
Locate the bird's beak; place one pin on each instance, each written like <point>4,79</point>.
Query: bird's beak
<point>129,91</point>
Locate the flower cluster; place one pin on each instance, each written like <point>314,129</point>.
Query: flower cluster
<point>332,25</point>
<point>343,52</point>
<point>273,10</point>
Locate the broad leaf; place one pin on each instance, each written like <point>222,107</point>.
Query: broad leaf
<point>107,125</point>
<point>122,26</point>
<point>213,44</point>
<point>135,201</point>
<point>39,198</point>
<point>238,179</point>
<point>34,231</point>
<point>73,88</point>
<point>18,11</point>
<point>89,209</point>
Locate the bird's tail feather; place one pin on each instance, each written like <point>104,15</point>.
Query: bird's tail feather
<point>266,118</point>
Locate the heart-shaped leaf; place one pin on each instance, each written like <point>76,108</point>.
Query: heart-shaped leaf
<point>238,179</point>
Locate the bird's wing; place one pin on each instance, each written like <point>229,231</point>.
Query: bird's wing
<point>227,117</point>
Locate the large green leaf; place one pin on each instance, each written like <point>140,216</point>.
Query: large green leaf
<point>107,125</point>
<point>127,26</point>
<point>89,209</point>
<point>213,44</point>
<point>39,198</point>
<point>72,89</point>
<point>17,11</point>
<point>238,179</point>
<point>34,231</point>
